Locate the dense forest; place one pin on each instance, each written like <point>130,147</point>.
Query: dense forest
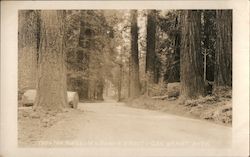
<point>124,54</point>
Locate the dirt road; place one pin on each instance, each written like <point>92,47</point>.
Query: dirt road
<point>114,124</point>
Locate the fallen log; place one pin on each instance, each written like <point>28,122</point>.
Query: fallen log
<point>160,97</point>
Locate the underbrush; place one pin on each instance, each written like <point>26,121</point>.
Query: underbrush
<point>214,108</point>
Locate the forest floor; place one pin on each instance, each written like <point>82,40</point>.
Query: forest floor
<point>211,108</point>
<point>115,124</point>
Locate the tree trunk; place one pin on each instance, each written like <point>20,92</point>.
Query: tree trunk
<point>150,49</point>
<point>27,49</point>
<point>175,71</point>
<point>119,89</point>
<point>91,90</point>
<point>134,75</point>
<point>100,87</point>
<point>192,85</point>
<point>129,76</point>
<point>51,86</point>
<point>223,55</point>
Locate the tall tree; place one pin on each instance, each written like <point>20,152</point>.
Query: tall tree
<point>192,84</point>
<point>27,48</point>
<point>150,49</point>
<point>134,60</point>
<point>223,54</point>
<point>175,67</point>
<point>51,85</point>
<point>208,42</point>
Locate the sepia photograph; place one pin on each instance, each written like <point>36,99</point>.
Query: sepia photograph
<point>126,78</point>
<point>104,76</point>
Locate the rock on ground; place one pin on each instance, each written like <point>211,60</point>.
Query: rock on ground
<point>173,89</point>
<point>28,98</point>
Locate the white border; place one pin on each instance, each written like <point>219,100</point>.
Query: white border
<point>9,77</point>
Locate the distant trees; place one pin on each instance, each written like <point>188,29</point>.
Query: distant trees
<point>223,53</point>
<point>174,68</point>
<point>51,85</point>
<point>208,42</point>
<point>133,52</point>
<point>192,84</point>
<point>134,60</point>
<point>82,59</point>
<point>91,57</point>
<point>169,45</point>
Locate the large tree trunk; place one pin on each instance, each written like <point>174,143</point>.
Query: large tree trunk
<point>150,49</point>
<point>223,54</point>
<point>192,84</point>
<point>27,49</point>
<point>134,75</point>
<point>51,87</point>
<point>175,71</point>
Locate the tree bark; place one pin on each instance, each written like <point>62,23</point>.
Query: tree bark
<point>175,71</point>
<point>51,85</point>
<point>134,75</point>
<point>192,84</point>
<point>27,49</point>
<point>223,54</point>
<point>150,48</point>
